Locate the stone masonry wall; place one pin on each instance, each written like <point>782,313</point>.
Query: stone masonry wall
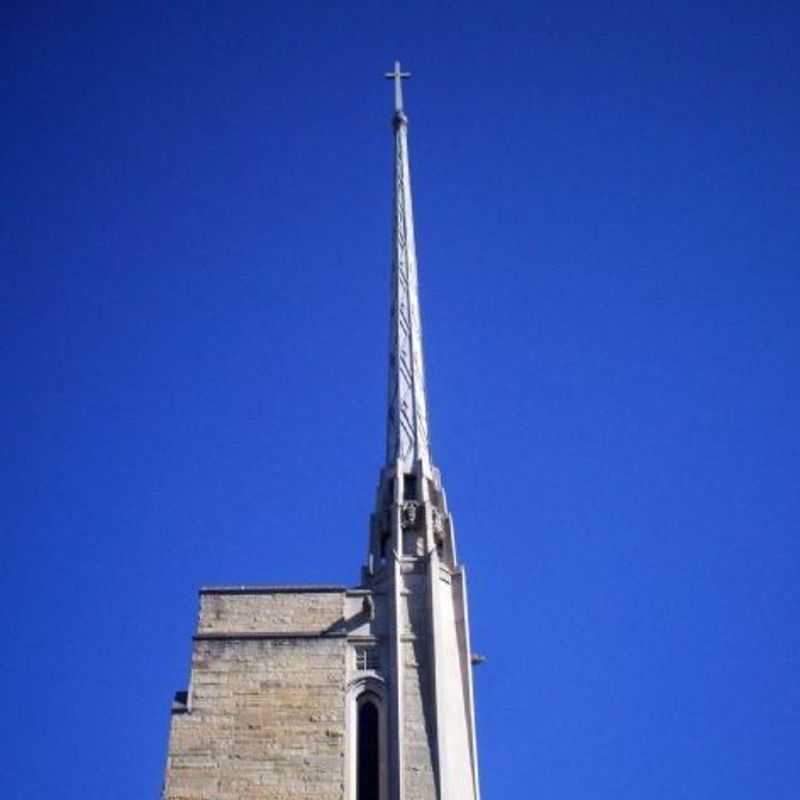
<point>418,724</point>
<point>279,611</point>
<point>266,717</point>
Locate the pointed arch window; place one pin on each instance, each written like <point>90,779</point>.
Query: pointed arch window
<point>368,751</point>
<point>367,741</point>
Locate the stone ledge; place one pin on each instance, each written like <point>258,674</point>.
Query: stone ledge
<point>272,589</point>
<point>361,591</point>
<point>203,637</point>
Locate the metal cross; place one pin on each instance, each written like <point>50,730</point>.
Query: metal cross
<point>397,76</point>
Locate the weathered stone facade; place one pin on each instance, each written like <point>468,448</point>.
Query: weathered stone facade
<point>265,711</point>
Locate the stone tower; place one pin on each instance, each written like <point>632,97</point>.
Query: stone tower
<point>335,693</point>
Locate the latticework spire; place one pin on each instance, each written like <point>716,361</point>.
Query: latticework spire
<point>407,422</point>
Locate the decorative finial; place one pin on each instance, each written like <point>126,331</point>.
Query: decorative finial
<point>397,76</point>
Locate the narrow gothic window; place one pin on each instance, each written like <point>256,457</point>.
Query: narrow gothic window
<point>368,753</point>
<point>410,487</point>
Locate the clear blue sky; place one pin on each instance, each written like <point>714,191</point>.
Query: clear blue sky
<point>194,242</point>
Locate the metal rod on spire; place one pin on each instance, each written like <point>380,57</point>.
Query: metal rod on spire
<point>397,76</point>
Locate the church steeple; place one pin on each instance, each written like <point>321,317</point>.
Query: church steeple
<point>407,418</point>
<point>417,586</point>
<point>361,693</point>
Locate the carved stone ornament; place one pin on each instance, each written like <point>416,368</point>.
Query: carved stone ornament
<point>410,511</point>
<point>368,608</point>
<point>438,522</point>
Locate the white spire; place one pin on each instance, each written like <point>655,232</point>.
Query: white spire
<point>407,422</point>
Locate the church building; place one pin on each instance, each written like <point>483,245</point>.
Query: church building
<point>337,693</point>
